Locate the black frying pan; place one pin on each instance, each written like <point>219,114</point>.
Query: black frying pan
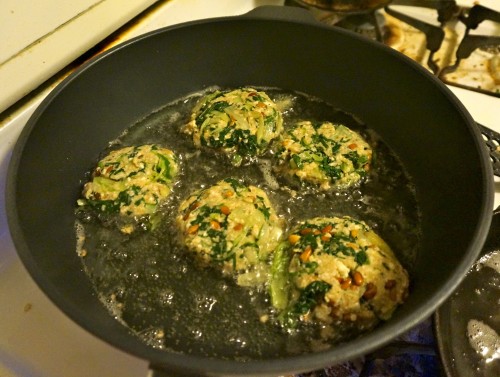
<point>283,47</point>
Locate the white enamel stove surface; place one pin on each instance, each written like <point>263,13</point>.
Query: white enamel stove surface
<point>41,37</point>
<point>36,339</point>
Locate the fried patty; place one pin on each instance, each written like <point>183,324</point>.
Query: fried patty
<point>323,154</point>
<point>240,123</point>
<point>132,181</point>
<point>343,272</point>
<point>231,226</point>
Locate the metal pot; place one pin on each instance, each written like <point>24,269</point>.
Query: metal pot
<point>423,122</point>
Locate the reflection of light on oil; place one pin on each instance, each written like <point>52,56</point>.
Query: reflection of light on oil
<point>205,302</point>
<point>197,333</point>
<point>484,340</point>
<point>238,341</point>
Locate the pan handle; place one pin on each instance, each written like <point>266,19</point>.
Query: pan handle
<point>492,140</point>
<point>282,13</point>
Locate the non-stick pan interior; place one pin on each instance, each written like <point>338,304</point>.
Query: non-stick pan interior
<point>416,116</point>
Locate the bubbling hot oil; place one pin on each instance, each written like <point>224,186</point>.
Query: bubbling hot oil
<point>150,283</point>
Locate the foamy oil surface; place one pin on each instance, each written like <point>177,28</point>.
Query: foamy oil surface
<point>152,285</point>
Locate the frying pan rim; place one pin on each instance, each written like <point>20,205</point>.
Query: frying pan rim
<point>258,367</point>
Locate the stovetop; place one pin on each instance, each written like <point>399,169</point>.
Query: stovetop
<point>459,43</point>
<point>37,339</point>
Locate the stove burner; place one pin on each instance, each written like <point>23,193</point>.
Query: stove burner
<point>347,6</point>
<point>369,24</point>
<point>434,34</point>
<point>455,56</point>
<point>412,355</point>
<point>471,19</point>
